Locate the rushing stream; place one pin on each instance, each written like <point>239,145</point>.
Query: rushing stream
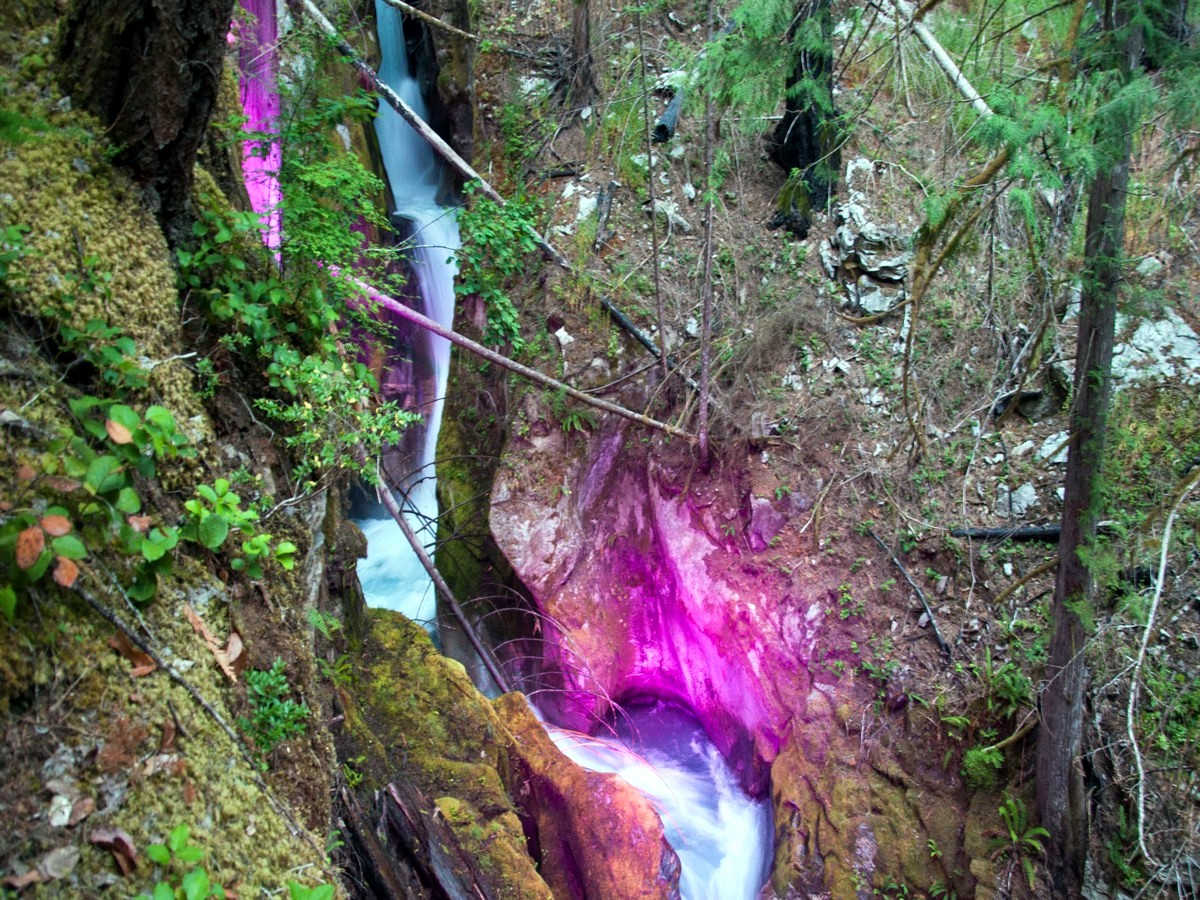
<point>391,575</point>
<point>722,836</point>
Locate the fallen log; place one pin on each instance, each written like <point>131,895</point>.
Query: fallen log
<point>664,128</point>
<point>454,337</point>
<point>423,837</point>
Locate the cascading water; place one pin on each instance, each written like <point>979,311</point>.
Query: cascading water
<point>722,836</point>
<point>391,575</point>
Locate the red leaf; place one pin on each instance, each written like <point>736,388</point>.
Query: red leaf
<point>65,572</point>
<point>26,472</point>
<point>16,882</point>
<point>140,524</point>
<point>118,432</point>
<point>56,526</point>
<point>168,737</point>
<point>30,544</point>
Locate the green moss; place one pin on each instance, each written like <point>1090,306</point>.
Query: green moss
<point>416,715</point>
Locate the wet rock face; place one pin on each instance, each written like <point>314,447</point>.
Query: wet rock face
<point>650,597</point>
<point>592,834</point>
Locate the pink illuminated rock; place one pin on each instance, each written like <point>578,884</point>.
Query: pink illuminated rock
<point>646,584</point>
<point>257,41</point>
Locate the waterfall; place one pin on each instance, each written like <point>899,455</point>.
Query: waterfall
<point>391,575</point>
<point>722,836</point>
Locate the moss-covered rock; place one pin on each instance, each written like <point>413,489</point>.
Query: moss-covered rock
<point>415,715</point>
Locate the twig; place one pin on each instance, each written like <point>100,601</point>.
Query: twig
<point>920,593</point>
<point>1164,551</point>
<point>432,20</point>
<point>389,501</point>
<point>1045,567</point>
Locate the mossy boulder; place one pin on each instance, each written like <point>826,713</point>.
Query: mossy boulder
<point>414,715</point>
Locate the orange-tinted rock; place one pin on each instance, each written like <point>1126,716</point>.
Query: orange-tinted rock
<point>595,836</point>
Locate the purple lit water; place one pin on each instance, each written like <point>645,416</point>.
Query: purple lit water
<point>723,836</point>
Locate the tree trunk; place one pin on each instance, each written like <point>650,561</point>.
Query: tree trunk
<point>583,80</point>
<point>1061,800</point>
<point>150,71</point>
<point>806,141</point>
<point>707,287</point>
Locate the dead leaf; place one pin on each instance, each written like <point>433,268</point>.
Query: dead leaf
<point>167,744</point>
<point>202,630</point>
<point>5,506</point>
<point>56,526</point>
<point>66,485</point>
<point>235,652</point>
<point>59,862</point>
<point>140,524</point>
<point>30,544</point>
<point>119,844</point>
<point>117,432</point>
<point>26,472</point>
<point>189,793</point>
<point>83,808</point>
<point>142,663</point>
<point>120,750</point>
<point>16,882</point>
<point>65,572</point>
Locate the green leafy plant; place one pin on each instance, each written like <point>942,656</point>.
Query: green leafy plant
<point>497,242</point>
<point>582,420</point>
<point>88,499</point>
<point>297,891</point>
<point>288,326</point>
<point>1023,841</point>
<point>981,767</point>
<point>182,879</point>
<point>274,716</point>
<point>325,623</point>
<point>216,512</point>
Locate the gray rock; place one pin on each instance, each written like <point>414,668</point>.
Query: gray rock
<point>1054,449</point>
<point>1149,267</point>
<point>1015,504</point>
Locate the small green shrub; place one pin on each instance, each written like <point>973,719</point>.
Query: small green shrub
<point>182,880</point>
<point>981,767</point>
<point>274,716</point>
<point>1022,840</point>
<point>497,241</point>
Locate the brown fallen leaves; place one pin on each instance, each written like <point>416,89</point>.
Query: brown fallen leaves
<point>230,658</point>
<point>142,663</point>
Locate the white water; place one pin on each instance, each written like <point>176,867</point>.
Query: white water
<point>392,577</point>
<point>722,836</point>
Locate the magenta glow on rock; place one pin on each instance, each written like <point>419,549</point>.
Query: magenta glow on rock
<point>258,40</point>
